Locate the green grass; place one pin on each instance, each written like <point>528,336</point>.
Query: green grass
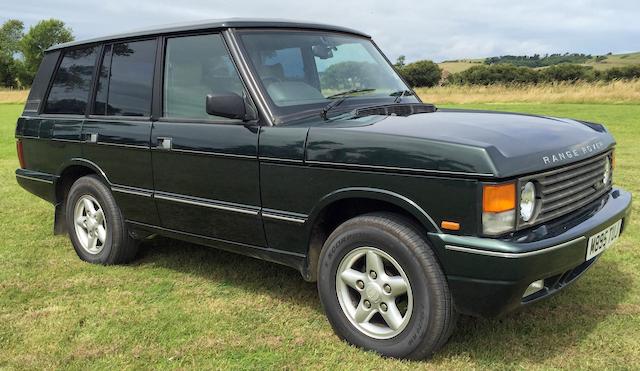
<point>183,306</point>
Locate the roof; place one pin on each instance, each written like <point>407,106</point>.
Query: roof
<point>213,24</point>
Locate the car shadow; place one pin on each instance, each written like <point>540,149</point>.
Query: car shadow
<point>250,274</point>
<point>534,334</point>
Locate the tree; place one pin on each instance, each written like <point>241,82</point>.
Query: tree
<point>495,74</point>
<point>350,75</point>
<point>422,73</point>
<point>10,34</point>
<point>400,62</point>
<point>39,38</point>
<point>568,72</point>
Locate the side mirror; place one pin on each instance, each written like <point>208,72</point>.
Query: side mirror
<point>227,104</point>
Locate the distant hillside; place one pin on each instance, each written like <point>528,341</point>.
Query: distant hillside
<point>598,62</point>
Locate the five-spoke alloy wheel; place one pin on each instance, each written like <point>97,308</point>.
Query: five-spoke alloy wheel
<point>96,226</point>
<point>90,224</point>
<point>374,292</point>
<point>382,287</point>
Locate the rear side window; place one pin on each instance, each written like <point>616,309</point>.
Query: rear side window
<point>126,79</point>
<point>72,82</point>
<point>194,67</point>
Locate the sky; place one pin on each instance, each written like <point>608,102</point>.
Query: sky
<point>435,30</point>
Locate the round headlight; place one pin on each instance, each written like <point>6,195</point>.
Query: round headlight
<point>527,201</point>
<point>607,171</point>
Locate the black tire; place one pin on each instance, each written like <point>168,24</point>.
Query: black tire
<point>119,247</point>
<point>433,317</point>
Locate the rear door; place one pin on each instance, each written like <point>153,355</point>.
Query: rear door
<point>59,125</point>
<point>205,168</point>
<point>117,132</point>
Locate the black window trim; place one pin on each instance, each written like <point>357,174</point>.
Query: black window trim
<point>89,111</point>
<point>52,78</point>
<point>159,84</point>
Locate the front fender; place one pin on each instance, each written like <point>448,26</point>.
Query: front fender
<point>374,194</point>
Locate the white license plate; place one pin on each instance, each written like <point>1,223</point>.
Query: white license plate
<point>603,239</point>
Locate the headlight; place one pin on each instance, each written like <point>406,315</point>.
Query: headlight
<point>498,208</point>
<point>527,201</point>
<point>607,172</point>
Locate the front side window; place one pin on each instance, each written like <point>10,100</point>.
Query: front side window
<point>196,66</point>
<point>301,70</point>
<point>126,79</point>
<point>72,82</point>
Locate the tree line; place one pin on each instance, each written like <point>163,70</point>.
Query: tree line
<point>426,73</point>
<point>537,60</point>
<point>21,52</point>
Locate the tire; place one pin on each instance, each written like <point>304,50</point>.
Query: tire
<point>429,317</point>
<point>106,227</point>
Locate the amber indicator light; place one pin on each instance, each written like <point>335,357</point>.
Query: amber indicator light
<point>452,226</point>
<point>497,198</point>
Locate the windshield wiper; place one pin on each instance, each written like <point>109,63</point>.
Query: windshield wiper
<point>399,94</point>
<point>349,92</point>
<point>342,97</point>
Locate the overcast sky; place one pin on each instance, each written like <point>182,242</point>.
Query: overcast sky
<point>437,30</point>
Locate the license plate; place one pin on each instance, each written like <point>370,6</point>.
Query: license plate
<point>603,239</point>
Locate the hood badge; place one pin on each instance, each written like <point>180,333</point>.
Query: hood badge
<point>572,153</point>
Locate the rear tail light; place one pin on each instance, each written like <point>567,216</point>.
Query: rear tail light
<point>20,151</point>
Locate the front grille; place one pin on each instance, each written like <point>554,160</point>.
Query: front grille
<point>569,188</point>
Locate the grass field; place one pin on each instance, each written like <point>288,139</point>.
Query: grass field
<point>13,95</point>
<point>183,306</point>
<point>459,65</point>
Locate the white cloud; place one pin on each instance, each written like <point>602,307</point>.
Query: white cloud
<point>435,30</point>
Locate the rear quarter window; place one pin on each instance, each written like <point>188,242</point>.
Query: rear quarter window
<point>71,85</point>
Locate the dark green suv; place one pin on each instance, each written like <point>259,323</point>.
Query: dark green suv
<point>299,144</point>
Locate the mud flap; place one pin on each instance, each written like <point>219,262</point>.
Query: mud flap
<point>59,220</point>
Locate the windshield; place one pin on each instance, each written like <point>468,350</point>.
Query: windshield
<point>306,70</point>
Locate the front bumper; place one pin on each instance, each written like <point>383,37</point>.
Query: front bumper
<point>488,277</point>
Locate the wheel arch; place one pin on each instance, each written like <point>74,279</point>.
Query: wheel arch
<point>68,173</point>
<point>346,203</point>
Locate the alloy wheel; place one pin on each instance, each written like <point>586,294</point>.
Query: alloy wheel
<point>90,224</point>
<point>374,292</point>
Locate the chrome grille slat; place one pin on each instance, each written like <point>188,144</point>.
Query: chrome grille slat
<point>572,182</point>
<point>564,190</point>
<point>573,166</point>
<point>567,209</point>
<point>568,192</point>
<point>572,173</point>
<point>548,206</point>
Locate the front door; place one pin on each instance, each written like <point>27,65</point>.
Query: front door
<point>205,168</point>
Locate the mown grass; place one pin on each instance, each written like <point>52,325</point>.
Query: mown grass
<point>184,306</point>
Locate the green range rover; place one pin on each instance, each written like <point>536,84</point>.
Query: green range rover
<point>299,144</point>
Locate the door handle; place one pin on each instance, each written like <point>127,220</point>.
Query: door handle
<point>164,144</point>
<point>91,137</point>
